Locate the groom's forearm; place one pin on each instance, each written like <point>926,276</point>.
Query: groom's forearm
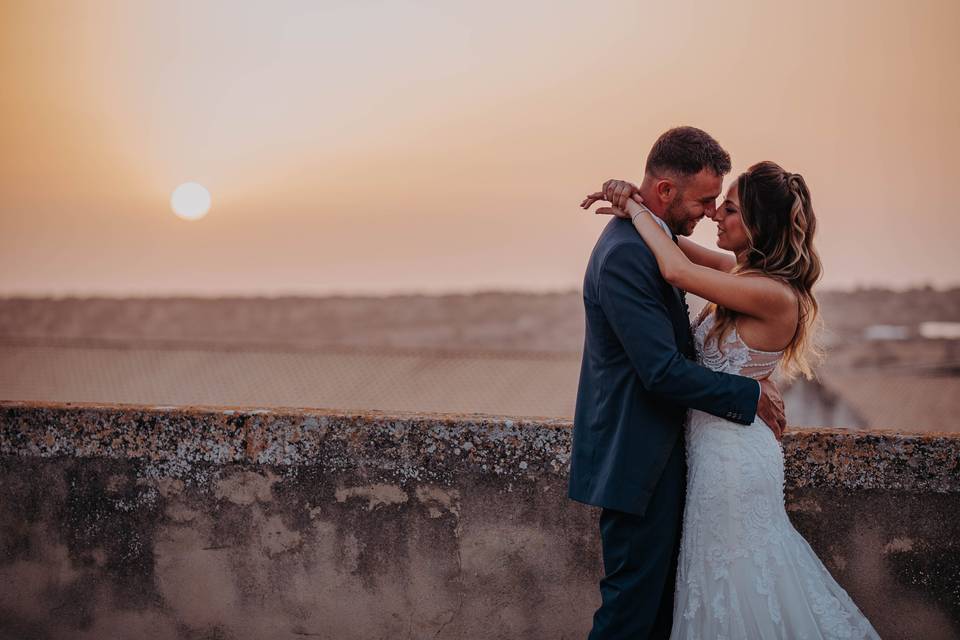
<point>688,384</point>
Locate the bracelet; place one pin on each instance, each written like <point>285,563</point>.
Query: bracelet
<point>643,208</point>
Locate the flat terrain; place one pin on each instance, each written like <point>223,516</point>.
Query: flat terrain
<point>509,353</point>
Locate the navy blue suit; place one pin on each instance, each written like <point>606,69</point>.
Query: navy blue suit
<point>637,379</point>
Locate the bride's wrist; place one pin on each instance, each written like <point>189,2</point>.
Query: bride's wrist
<point>635,210</point>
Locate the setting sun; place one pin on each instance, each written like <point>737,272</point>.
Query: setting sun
<point>190,201</point>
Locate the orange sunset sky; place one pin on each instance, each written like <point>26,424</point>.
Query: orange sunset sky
<point>377,147</point>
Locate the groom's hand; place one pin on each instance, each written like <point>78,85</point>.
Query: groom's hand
<point>770,408</point>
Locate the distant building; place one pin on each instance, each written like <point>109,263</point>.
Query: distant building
<point>940,330</point>
<point>906,402</point>
<point>810,403</point>
<point>886,332</point>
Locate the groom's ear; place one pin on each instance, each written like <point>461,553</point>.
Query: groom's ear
<point>666,190</point>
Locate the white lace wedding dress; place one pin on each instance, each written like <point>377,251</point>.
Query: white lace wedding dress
<point>744,571</point>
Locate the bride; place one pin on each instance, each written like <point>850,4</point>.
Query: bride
<point>744,571</point>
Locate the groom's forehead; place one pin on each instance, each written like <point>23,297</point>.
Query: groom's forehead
<point>705,183</point>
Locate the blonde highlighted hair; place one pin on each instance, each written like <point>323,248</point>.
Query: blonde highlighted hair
<point>779,222</point>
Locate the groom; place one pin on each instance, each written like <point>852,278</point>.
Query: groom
<point>637,379</point>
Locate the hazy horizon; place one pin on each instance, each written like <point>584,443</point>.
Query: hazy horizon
<point>400,148</point>
<point>413,293</point>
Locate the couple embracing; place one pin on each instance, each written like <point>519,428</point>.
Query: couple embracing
<point>677,428</point>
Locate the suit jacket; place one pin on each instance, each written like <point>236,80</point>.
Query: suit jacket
<point>638,377</point>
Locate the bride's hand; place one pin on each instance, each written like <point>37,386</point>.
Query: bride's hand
<point>616,211</point>
<point>594,197</point>
<point>618,192</point>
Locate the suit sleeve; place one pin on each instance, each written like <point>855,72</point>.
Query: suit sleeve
<point>630,294</point>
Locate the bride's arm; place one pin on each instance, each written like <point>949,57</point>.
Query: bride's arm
<point>699,254</point>
<point>759,297</point>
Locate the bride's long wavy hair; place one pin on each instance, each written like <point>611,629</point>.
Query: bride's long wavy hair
<point>779,222</point>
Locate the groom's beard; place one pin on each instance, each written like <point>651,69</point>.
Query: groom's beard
<point>676,218</point>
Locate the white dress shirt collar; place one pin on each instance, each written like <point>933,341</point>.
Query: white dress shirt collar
<point>663,225</point>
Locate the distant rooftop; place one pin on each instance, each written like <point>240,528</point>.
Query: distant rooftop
<point>520,384</point>
<point>913,402</point>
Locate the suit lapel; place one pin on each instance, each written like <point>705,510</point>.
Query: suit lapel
<point>681,321</point>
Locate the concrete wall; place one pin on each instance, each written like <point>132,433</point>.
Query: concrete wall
<point>166,522</point>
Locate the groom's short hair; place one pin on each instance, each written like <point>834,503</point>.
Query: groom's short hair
<point>687,151</point>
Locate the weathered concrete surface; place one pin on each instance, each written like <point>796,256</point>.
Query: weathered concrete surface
<point>150,522</point>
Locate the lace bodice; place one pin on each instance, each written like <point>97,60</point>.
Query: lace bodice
<point>735,356</point>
